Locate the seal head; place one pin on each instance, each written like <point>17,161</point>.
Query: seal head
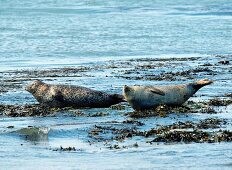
<point>32,88</point>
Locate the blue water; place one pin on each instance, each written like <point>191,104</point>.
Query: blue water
<point>40,32</point>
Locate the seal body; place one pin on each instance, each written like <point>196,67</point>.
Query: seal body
<point>147,97</point>
<point>71,96</point>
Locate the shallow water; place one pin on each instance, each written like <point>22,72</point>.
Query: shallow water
<point>41,34</point>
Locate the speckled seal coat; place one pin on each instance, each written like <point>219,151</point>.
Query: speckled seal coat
<point>147,97</point>
<point>71,96</point>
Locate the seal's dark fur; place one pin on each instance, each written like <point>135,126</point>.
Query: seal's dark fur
<point>71,96</point>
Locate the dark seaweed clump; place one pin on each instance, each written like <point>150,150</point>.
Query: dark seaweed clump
<point>224,62</point>
<point>194,136</point>
<point>116,146</point>
<point>220,102</point>
<point>69,149</point>
<point>178,132</point>
<point>210,123</point>
<point>134,122</point>
<point>118,107</point>
<point>24,110</point>
<point>137,74</point>
<point>109,133</point>
<point>164,110</point>
<point>98,114</point>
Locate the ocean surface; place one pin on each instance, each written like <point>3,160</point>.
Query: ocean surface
<point>41,33</point>
<point>46,34</point>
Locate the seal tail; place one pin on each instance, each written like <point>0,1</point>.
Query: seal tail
<point>201,83</point>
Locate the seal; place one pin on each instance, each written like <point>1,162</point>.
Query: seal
<point>147,97</point>
<point>71,96</point>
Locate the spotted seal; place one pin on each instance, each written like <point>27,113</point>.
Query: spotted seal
<point>147,97</point>
<point>71,96</point>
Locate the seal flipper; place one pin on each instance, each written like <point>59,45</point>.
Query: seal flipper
<point>156,91</point>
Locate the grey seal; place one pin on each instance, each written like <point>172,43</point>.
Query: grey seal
<point>71,96</point>
<point>147,97</point>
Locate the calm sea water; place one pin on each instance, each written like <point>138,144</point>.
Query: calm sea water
<point>58,33</point>
<point>36,33</point>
